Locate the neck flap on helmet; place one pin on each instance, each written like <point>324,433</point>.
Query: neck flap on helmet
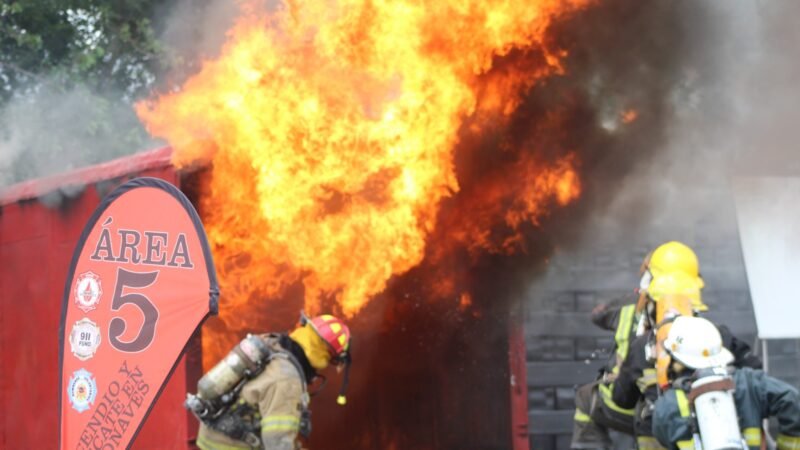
<point>342,359</point>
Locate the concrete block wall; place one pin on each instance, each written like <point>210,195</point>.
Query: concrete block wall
<point>564,349</point>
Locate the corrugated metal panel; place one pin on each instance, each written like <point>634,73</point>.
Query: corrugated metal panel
<point>68,181</point>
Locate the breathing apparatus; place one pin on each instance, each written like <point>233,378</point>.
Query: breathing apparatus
<point>716,421</point>
<point>215,403</point>
<point>695,343</point>
<point>668,309</point>
<point>220,387</point>
<point>667,297</point>
<point>644,322</point>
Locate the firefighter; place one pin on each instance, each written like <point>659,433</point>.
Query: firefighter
<point>595,413</point>
<point>637,384</point>
<point>268,408</point>
<point>595,410</point>
<point>698,370</point>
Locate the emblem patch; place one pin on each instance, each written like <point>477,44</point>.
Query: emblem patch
<point>82,390</point>
<point>88,291</point>
<point>84,339</point>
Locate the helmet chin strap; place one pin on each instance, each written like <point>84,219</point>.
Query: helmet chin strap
<point>343,358</point>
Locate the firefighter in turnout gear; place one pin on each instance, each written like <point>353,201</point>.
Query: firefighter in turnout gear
<point>257,396</point>
<point>637,385</point>
<point>715,406</point>
<point>595,409</point>
<point>595,413</point>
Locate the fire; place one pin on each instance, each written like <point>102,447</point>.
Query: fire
<point>629,116</point>
<point>331,127</point>
<point>465,301</point>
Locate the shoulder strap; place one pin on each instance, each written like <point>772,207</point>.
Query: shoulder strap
<point>300,373</point>
<point>721,385</point>
<point>305,414</point>
<point>683,403</point>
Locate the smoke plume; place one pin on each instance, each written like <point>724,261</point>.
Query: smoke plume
<point>726,105</point>
<point>51,126</point>
<point>725,92</point>
<point>50,131</point>
<point>712,86</point>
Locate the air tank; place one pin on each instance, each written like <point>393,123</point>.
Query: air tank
<point>716,415</point>
<point>216,387</point>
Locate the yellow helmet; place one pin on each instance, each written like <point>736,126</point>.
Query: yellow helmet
<point>671,257</point>
<point>677,284</point>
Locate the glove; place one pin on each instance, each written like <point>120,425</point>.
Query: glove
<point>599,309</point>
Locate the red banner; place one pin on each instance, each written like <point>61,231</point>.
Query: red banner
<point>141,282</point>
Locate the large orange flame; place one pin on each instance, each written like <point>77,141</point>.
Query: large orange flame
<point>331,128</point>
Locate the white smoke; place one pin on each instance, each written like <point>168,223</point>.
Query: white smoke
<point>47,131</point>
<point>50,126</point>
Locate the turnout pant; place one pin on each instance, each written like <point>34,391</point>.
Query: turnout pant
<point>595,414</point>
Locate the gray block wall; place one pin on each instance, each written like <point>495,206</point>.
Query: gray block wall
<point>564,349</point>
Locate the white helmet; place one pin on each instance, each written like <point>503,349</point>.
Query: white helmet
<point>695,342</point>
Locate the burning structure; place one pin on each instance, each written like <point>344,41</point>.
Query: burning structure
<point>334,131</point>
<point>363,161</point>
<point>410,167</point>
<point>367,160</point>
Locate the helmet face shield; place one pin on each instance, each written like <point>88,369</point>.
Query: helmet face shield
<point>644,282</point>
<point>645,266</point>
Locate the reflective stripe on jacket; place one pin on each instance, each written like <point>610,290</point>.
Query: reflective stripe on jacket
<point>635,385</point>
<point>622,321</point>
<point>757,397</point>
<point>277,393</point>
<point>648,443</point>
<point>624,333</point>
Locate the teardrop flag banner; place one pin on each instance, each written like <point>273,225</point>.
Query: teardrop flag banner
<point>141,282</point>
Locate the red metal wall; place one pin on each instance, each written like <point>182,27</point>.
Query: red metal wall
<point>520,439</point>
<point>36,245</point>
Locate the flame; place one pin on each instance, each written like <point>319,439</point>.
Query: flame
<point>629,116</point>
<point>465,301</point>
<point>331,128</point>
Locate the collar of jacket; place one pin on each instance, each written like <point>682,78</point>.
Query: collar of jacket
<point>297,351</point>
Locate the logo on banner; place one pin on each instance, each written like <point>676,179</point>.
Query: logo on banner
<point>84,339</point>
<point>82,390</point>
<point>88,291</point>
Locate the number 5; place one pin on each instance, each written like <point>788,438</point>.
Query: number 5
<point>118,325</point>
